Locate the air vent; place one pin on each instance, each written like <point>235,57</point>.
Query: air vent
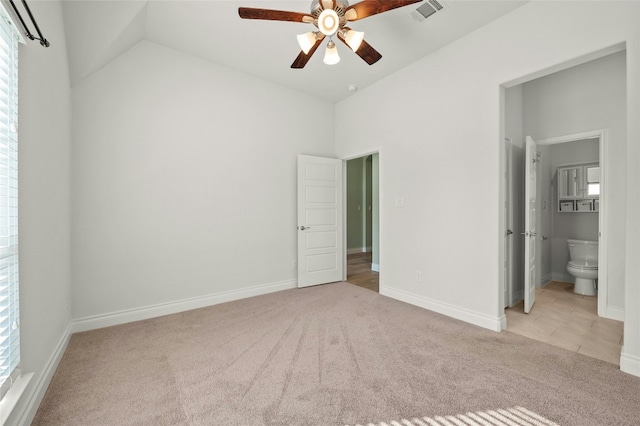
<point>427,9</point>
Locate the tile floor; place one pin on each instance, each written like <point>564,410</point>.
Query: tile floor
<point>568,320</point>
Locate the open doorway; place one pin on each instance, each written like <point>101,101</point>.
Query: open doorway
<point>563,111</point>
<point>362,222</point>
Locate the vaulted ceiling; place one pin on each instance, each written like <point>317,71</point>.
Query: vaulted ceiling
<point>99,31</point>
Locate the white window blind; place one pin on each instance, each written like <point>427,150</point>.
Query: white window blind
<point>9,304</point>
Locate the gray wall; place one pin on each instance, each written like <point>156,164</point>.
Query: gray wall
<point>355,204</point>
<point>360,204</point>
<point>368,181</point>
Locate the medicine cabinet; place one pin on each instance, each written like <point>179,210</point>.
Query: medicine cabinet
<point>578,187</point>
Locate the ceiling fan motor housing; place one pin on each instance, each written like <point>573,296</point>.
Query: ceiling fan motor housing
<point>317,8</point>
<point>324,17</point>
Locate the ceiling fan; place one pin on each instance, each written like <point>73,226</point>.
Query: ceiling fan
<point>331,18</point>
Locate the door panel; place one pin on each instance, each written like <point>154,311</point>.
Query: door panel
<point>320,248</point>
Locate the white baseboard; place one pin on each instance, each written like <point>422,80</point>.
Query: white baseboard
<point>475,318</point>
<point>146,312</point>
<point>615,313</point>
<point>546,279</point>
<point>35,398</point>
<point>630,363</point>
<point>375,267</point>
<point>503,322</point>
<point>563,278</point>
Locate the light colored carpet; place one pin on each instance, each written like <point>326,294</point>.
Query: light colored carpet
<point>516,416</point>
<point>330,355</point>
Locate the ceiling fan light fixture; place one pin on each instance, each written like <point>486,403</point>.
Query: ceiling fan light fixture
<point>331,56</point>
<point>354,39</point>
<point>306,41</point>
<point>328,22</point>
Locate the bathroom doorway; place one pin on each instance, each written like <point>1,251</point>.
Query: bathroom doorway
<point>362,221</point>
<point>571,209</point>
<point>558,109</point>
<point>560,316</point>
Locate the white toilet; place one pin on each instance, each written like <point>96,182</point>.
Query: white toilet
<point>583,264</point>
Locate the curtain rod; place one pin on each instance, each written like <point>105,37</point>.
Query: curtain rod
<point>43,41</point>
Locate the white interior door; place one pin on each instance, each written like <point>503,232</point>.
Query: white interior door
<point>320,204</point>
<point>531,272</point>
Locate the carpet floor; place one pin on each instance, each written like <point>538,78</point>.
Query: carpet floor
<point>329,355</point>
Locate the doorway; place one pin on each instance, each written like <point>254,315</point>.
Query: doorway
<point>559,108</point>
<point>362,221</point>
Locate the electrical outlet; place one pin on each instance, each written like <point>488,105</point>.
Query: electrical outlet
<point>419,276</point>
<point>399,202</point>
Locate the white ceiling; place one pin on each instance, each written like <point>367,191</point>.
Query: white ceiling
<point>98,31</point>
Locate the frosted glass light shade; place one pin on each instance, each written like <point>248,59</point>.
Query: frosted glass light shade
<point>354,39</point>
<point>306,41</point>
<point>328,22</point>
<point>331,56</point>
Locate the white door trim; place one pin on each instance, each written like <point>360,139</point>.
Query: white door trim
<point>603,265</point>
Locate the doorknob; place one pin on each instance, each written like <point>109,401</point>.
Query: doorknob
<point>526,234</point>
<point>302,228</point>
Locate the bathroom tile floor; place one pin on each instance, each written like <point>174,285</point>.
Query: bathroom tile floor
<point>568,320</point>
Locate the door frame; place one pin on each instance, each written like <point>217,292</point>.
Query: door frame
<point>380,214</point>
<point>603,135</point>
<point>603,265</point>
<point>509,254</point>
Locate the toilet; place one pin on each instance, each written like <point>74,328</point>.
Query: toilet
<point>583,264</point>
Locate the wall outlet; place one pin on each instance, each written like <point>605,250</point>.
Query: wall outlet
<point>419,276</point>
<point>399,202</point>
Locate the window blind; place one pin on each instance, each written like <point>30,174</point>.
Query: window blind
<point>9,304</point>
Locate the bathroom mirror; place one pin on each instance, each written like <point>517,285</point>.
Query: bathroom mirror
<point>568,182</point>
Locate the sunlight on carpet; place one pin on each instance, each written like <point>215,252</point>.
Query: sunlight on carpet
<point>516,416</point>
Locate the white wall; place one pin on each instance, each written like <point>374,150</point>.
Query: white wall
<point>44,140</point>
<point>452,204</point>
<point>588,97</point>
<point>184,184</point>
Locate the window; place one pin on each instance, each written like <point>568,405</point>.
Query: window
<point>9,306</point>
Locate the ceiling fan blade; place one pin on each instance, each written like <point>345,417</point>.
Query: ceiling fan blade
<point>365,51</point>
<point>273,15</point>
<point>303,58</point>
<point>368,8</point>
